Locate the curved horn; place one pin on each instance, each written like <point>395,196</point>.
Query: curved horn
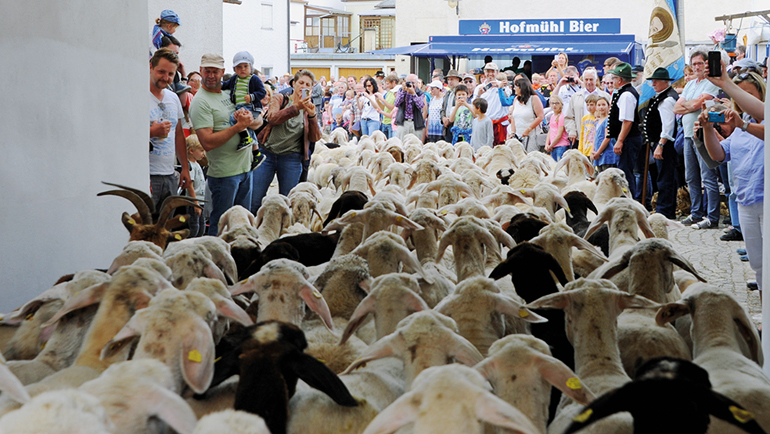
<point>144,196</point>
<point>145,213</point>
<point>171,203</point>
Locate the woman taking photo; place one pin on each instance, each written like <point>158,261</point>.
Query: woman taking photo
<point>527,111</point>
<point>367,104</point>
<point>288,139</point>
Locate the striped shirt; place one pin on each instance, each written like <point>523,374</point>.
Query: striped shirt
<point>241,90</point>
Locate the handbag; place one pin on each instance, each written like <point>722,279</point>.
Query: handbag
<point>540,137</point>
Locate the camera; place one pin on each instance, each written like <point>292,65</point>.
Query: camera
<point>717,117</point>
<point>570,80</point>
<point>408,84</point>
<point>715,64</point>
<point>305,93</point>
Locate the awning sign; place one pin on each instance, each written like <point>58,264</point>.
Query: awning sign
<point>573,26</point>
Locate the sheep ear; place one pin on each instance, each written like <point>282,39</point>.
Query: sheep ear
<point>87,297</point>
<point>315,301</point>
<point>669,313</point>
<point>366,284</point>
<point>563,378</point>
<point>122,341</point>
<point>213,272</point>
<point>603,216</point>
<point>197,356</point>
<point>731,412</point>
<point>684,264</point>
<point>10,385</point>
<point>260,216</point>
<point>364,308</point>
<point>229,309</point>
<point>411,263</point>
<point>506,306</point>
<point>444,242</point>
<point>749,333</point>
<point>495,411</point>
<point>619,266</point>
<point>402,412</point>
<point>318,376</point>
<point>390,345</point>
<point>503,269</point>
<point>563,203</point>
<point>247,285</point>
<point>168,407</point>
<point>488,368</point>
<point>641,220</point>
<point>404,222</point>
<point>581,243</point>
<point>128,222</point>
<point>465,352</point>
<point>628,301</point>
<point>552,301</point>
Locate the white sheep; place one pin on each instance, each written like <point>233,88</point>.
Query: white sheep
<point>61,411</point>
<point>273,217</point>
<point>231,422</point>
<point>135,250</point>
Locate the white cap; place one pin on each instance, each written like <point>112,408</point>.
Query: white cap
<point>243,57</point>
<point>437,84</point>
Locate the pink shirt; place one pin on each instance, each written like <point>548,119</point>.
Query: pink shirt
<point>554,124</point>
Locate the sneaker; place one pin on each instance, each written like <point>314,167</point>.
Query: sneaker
<point>258,159</point>
<point>704,224</point>
<point>688,221</point>
<point>733,235</point>
<point>741,251</point>
<point>245,143</point>
<point>744,258</point>
<point>728,229</point>
<point>752,286</point>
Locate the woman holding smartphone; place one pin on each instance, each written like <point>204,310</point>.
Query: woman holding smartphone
<point>367,105</point>
<point>288,140</point>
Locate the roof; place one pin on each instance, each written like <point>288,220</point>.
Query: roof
<point>378,12</point>
<point>328,10</point>
<point>386,4</point>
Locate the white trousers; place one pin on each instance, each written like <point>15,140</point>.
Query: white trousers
<point>752,235</point>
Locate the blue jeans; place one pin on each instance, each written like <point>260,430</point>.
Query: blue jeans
<point>387,129</point>
<point>696,172</point>
<point>255,111</point>
<point>368,126</point>
<point>288,168</point>
<point>557,152</point>
<point>632,146</point>
<point>667,182</point>
<point>225,193</point>
<point>732,203</point>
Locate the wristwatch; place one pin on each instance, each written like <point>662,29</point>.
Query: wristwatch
<point>661,144</point>
<point>745,125</point>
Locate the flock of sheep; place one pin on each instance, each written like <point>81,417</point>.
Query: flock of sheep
<point>451,292</point>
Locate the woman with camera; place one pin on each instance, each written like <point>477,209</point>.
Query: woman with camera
<point>367,105</point>
<point>287,140</point>
<point>729,136</point>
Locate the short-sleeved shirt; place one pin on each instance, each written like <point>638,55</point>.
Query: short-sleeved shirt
<point>692,90</point>
<point>627,104</point>
<point>198,179</point>
<point>587,134</point>
<point>163,154</point>
<point>390,97</point>
<point>747,154</point>
<point>213,110</point>
<point>463,118</point>
<point>553,125</point>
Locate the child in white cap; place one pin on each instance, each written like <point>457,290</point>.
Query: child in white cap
<point>246,91</point>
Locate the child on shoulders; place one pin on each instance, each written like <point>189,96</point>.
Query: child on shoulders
<point>246,91</point>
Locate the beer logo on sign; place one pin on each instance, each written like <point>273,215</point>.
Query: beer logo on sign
<point>485,29</point>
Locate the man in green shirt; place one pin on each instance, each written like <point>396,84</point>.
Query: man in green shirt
<point>229,175</point>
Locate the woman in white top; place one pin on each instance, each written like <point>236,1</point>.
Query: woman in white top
<point>527,112</point>
<point>367,104</point>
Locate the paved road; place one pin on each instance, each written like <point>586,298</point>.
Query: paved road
<point>718,263</point>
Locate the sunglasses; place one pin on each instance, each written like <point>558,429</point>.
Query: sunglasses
<point>468,81</point>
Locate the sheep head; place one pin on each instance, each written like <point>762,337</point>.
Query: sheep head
<point>147,224</point>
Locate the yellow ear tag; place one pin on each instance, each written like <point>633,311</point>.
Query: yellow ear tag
<point>444,212</point>
<point>317,294</point>
<point>218,359</point>
<point>625,190</point>
<point>195,356</point>
<point>523,313</point>
<point>523,191</point>
<point>178,237</point>
<point>353,214</point>
<point>574,383</point>
<point>243,281</point>
<point>131,221</point>
<point>582,417</point>
<point>29,316</point>
<point>399,219</point>
<point>322,361</point>
<point>740,414</point>
<point>42,346</point>
<point>182,219</point>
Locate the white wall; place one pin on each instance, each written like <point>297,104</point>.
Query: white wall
<point>201,29</point>
<point>243,31</point>
<point>70,118</point>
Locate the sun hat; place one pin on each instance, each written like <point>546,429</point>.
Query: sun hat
<point>491,65</point>
<point>437,84</point>
<point>660,74</point>
<point>453,73</point>
<point>212,60</point>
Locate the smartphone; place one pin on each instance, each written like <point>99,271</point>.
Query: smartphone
<point>717,117</point>
<point>305,93</point>
<point>715,64</point>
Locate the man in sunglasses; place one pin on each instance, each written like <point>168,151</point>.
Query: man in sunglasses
<point>166,137</point>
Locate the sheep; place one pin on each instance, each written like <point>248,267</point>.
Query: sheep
<point>449,189</point>
<point>344,283</point>
<point>391,198</point>
<point>348,201</point>
<point>133,251</point>
<point>501,157</point>
<point>386,253</point>
<point>282,287</point>
<point>398,174</point>
<point>591,308</point>
<point>727,346</point>
<point>579,204</point>
<point>425,240</point>
<point>139,397</point>
<point>375,217</point>
<point>236,228</point>
<point>421,199</point>
<point>578,166</point>
<point>523,227</point>
<point>662,388</point>
<point>547,196</point>
<point>624,217</point>
<point>382,161</point>
<point>311,249</point>
<point>303,206</point>
<point>471,242</point>
<point>358,179</point>
<point>423,339</point>
<point>558,240</point>
<point>226,308</point>
<point>392,298</point>
<point>192,261</point>
<point>450,398</point>
<point>146,224</point>
<point>232,422</point>
<point>467,206</point>
<point>273,217</point>
<point>660,225</point>
<point>477,306</point>
<point>612,183</point>
<point>521,370</point>
<point>504,195</point>
<point>61,411</point>
<point>425,172</point>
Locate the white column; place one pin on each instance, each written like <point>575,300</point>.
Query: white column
<point>765,259</point>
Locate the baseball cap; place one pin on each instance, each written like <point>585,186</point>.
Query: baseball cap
<point>212,60</point>
<point>437,84</point>
<point>491,65</point>
<point>243,57</point>
<point>379,74</point>
<point>747,64</point>
<point>469,76</point>
<point>170,16</point>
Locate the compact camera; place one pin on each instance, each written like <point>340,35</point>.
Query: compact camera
<point>571,80</point>
<point>717,117</point>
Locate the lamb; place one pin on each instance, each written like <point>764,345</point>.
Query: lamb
<point>344,283</point>
<point>727,345</point>
<point>558,240</point>
<point>386,253</point>
<point>282,287</point>
<point>662,388</point>
<point>232,422</point>
<point>591,308</point>
<point>392,298</point>
<point>450,398</point>
<point>477,306</point>
<point>133,251</point>
<point>521,370</point>
<point>146,224</point>
<point>139,397</point>
<point>273,217</point>
<point>471,242</point>
<point>61,411</point>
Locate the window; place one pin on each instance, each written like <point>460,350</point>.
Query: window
<point>268,71</point>
<point>267,16</point>
<point>383,26</point>
<point>325,29</point>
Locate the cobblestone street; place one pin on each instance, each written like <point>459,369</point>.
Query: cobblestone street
<point>719,264</point>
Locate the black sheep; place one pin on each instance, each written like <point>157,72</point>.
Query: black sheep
<point>524,227</point>
<point>347,201</point>
<point>579,204</point>
<point>669,395</point>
